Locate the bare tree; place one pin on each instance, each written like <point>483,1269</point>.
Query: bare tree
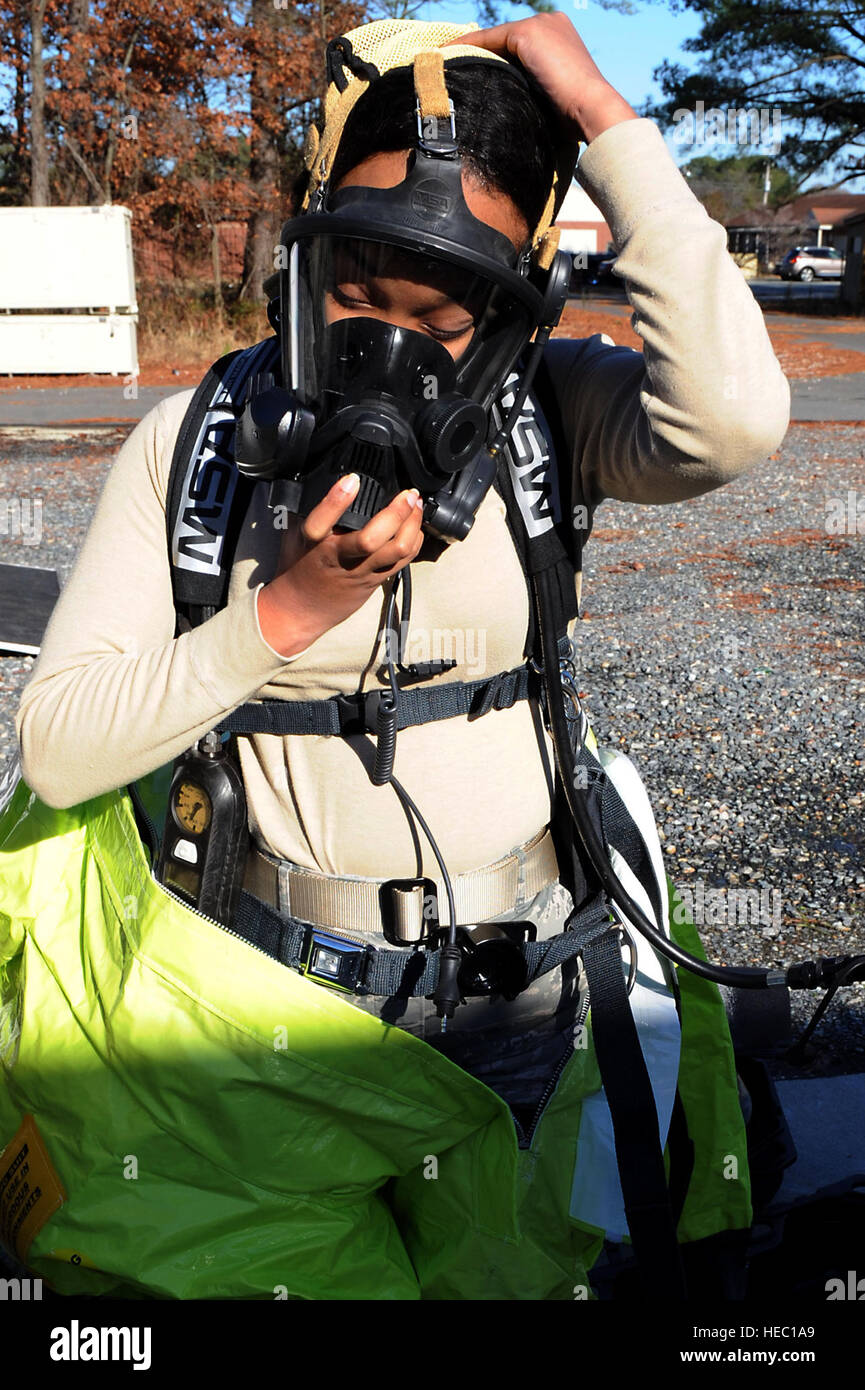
<point>39,196</point>
<point>264,147</point>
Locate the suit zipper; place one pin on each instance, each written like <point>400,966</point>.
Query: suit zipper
<point>212,920</point>
<point>524,1139</point>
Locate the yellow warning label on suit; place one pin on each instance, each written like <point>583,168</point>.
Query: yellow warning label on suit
<point>30,1189</point>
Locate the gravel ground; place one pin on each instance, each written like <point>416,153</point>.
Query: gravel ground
<point>722,647</point>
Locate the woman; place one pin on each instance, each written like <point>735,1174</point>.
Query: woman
<point>115,694</point>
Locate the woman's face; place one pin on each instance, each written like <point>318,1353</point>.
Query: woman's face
<point>394,286</point>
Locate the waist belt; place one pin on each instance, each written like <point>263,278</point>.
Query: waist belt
<point>355,967</point>
<point>360,904</point>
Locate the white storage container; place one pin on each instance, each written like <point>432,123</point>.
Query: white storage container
<point>40,344</point>
<point>77,258</point>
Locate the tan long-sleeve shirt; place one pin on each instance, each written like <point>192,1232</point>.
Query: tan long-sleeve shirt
<point>114,694</point>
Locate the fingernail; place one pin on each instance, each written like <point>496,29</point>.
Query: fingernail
<point>349,482</point>
<point>413,496</point>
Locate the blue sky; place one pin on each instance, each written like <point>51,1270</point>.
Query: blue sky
<point>626,48</point>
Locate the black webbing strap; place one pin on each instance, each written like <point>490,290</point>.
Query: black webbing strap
<point>352,714</point>
<point>680,1147</point>
<point>410,971</point>
<point>619,828</point>
<point>635,1122</point>
<point>624,1074</point>
<point>541,541</point>
<point>568,472</point>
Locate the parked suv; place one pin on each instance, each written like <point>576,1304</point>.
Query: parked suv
<point>808,262</point>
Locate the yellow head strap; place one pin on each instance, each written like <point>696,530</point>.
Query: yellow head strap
<point>394,43</point>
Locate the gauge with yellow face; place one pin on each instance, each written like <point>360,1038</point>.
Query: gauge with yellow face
<point>192,807</point>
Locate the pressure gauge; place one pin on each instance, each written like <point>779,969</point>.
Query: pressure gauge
<point>205,841</point>
<point>192,808</point>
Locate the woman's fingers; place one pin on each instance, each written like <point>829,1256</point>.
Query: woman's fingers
<point>359,546</point>
<point>550,48</point>
<point>388,541</point>
<point>326,515</point>
<point>547,45</point>
<point>404,546</point>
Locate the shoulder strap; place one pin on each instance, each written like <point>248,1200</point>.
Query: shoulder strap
<point>624,1074</point>
<point>578,515</point>
<point>528,483</point>
<point>207,496</point>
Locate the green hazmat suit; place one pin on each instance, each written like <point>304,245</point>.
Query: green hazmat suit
<point>221,1127</point>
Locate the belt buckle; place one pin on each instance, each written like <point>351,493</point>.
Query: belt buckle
<point>391,925</point>
<point>331,960</point>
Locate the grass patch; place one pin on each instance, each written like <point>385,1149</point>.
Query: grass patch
<point>179,323</point>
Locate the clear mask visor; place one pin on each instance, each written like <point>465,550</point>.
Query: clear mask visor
<point>462,332</point>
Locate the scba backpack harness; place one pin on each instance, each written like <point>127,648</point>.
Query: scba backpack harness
<point>207,500</point>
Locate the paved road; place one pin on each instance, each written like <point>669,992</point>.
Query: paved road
<point>773,289</point>
<point>768,290</point>
<point>85,405</point>
<point>839,398</point>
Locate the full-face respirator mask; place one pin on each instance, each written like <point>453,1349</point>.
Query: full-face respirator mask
<point>389,402</point>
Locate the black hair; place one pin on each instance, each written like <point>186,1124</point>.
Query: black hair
<point>506,129</point>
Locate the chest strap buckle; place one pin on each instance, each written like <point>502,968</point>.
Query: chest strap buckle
<point>358,713</point>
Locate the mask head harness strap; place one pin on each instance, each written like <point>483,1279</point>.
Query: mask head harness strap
<point>437,136</point>
<point>434,109</point>
<point>436,129</point>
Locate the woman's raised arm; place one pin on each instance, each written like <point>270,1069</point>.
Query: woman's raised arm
<point>706,399</point>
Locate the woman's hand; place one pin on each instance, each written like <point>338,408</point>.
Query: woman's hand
<point>323,577</point>
<point>549,47</point>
